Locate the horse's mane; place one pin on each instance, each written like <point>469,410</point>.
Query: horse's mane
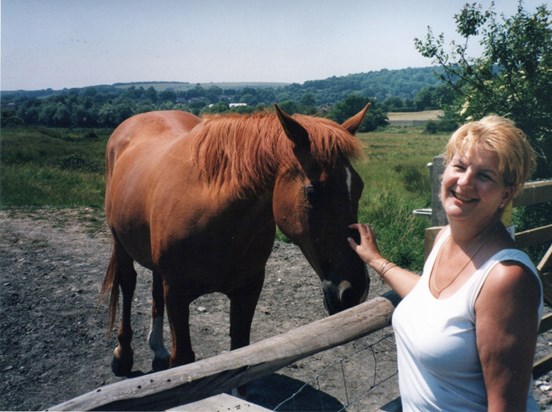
<point>244,152</point>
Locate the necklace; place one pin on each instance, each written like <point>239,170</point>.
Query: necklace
<point>434,275</point>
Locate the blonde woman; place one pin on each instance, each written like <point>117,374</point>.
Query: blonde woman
<point>466,329</point>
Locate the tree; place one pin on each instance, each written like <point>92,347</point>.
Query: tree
<point>393,104</point>
<point>167,96</point>
<point>512,77</point>
<point>289,106</point>
<point>151,94</point>
<point>216,108</point>
<point>351,105</point>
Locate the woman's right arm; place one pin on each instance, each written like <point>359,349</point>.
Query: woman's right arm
<point>401,280</point>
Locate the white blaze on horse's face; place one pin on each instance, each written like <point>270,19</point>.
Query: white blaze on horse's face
<point>349,181</point>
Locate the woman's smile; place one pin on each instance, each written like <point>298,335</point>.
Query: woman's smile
<point>462,198</point>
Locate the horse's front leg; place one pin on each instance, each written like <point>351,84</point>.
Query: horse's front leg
<point>242,309</point>
<point>178,312</point>
<point>243,302</point>
<point>155,337</point>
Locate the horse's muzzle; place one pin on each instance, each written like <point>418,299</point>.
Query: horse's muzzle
<point>339,297</point>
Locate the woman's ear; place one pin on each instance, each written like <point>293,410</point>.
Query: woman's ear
<point>508,195</point>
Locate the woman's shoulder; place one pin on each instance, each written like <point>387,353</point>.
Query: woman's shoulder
<point>511,275</point>
<point>511,267</point>
<point>508,258</point>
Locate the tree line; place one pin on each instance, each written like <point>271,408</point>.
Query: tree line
<point>107,106</point>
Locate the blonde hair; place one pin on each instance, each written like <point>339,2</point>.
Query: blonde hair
<point>516,157</point>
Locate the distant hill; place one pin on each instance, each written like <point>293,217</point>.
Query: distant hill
<point>183,86</point>
<point>381,84</point>
<point>410,89</point>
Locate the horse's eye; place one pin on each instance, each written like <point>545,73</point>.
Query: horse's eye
<point>314,192</point>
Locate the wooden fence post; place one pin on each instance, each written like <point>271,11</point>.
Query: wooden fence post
<point>438,217</point>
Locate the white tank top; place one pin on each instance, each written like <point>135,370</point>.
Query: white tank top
<point>437,356</point>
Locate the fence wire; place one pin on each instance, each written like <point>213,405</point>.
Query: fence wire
<point>361,380</point>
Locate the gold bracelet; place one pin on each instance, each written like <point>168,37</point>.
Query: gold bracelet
<point>388,269</point>
<point>382,267</point>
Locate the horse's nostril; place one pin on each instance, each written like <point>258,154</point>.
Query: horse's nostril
<point>344,286</point>
<point>347,295</point>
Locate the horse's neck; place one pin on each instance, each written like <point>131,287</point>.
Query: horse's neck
<point>242,156</point>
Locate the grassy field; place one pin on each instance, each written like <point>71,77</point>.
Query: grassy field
<point>396,179</point>
<point>64,168</point>
<point>52,167</point>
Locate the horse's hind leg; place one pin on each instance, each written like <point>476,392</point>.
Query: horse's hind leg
<point>123,355</point>
<point>155,338</point>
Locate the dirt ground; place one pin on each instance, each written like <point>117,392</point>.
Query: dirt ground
<point>53,343</point>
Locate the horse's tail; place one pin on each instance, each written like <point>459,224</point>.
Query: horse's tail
<point>111,285</point>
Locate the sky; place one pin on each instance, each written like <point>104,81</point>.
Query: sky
<point>77,43</point>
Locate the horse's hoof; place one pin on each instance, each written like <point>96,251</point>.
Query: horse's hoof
<point>160,364</point>
<point>122,362</point>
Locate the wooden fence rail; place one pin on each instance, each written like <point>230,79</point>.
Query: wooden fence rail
<point>189,383</point>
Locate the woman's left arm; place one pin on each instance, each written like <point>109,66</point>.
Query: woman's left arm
<point>506,331</point>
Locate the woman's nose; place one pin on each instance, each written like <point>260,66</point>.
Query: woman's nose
<point>466,179</point>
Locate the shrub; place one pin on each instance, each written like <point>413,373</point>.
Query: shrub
<point>78,162</point>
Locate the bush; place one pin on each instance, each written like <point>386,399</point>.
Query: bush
<point>440,126</point>
<point>91,136</point>
<point>77,162</point>
<point>413,177</point>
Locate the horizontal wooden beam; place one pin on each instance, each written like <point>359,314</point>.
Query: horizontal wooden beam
<point>545,265</point>
<point>542,366</point>
<point>189,383</point>
<point>534,193</point>
<point>534,236</point>
<point>545,323</point>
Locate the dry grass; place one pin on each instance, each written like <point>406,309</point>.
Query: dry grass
<point>414,116</point>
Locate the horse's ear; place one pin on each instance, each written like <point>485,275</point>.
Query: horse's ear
<point>352,124</point>
<point>294,131</point>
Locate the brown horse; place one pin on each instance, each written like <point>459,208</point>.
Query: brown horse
<point>197,201</point>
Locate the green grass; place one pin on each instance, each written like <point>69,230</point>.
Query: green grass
<point>65,168</point>
<point>53,167</point>
<point>39,185</point>
<point>396,181</point>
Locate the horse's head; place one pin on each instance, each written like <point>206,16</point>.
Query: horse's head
<point>315,201</point>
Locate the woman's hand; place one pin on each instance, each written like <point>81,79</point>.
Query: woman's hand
<point>367,250</point>
<point>402,281</point>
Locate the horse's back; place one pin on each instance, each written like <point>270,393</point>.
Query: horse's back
<point>153,129</point>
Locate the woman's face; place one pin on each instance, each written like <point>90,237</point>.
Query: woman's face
<point>472,186</point>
